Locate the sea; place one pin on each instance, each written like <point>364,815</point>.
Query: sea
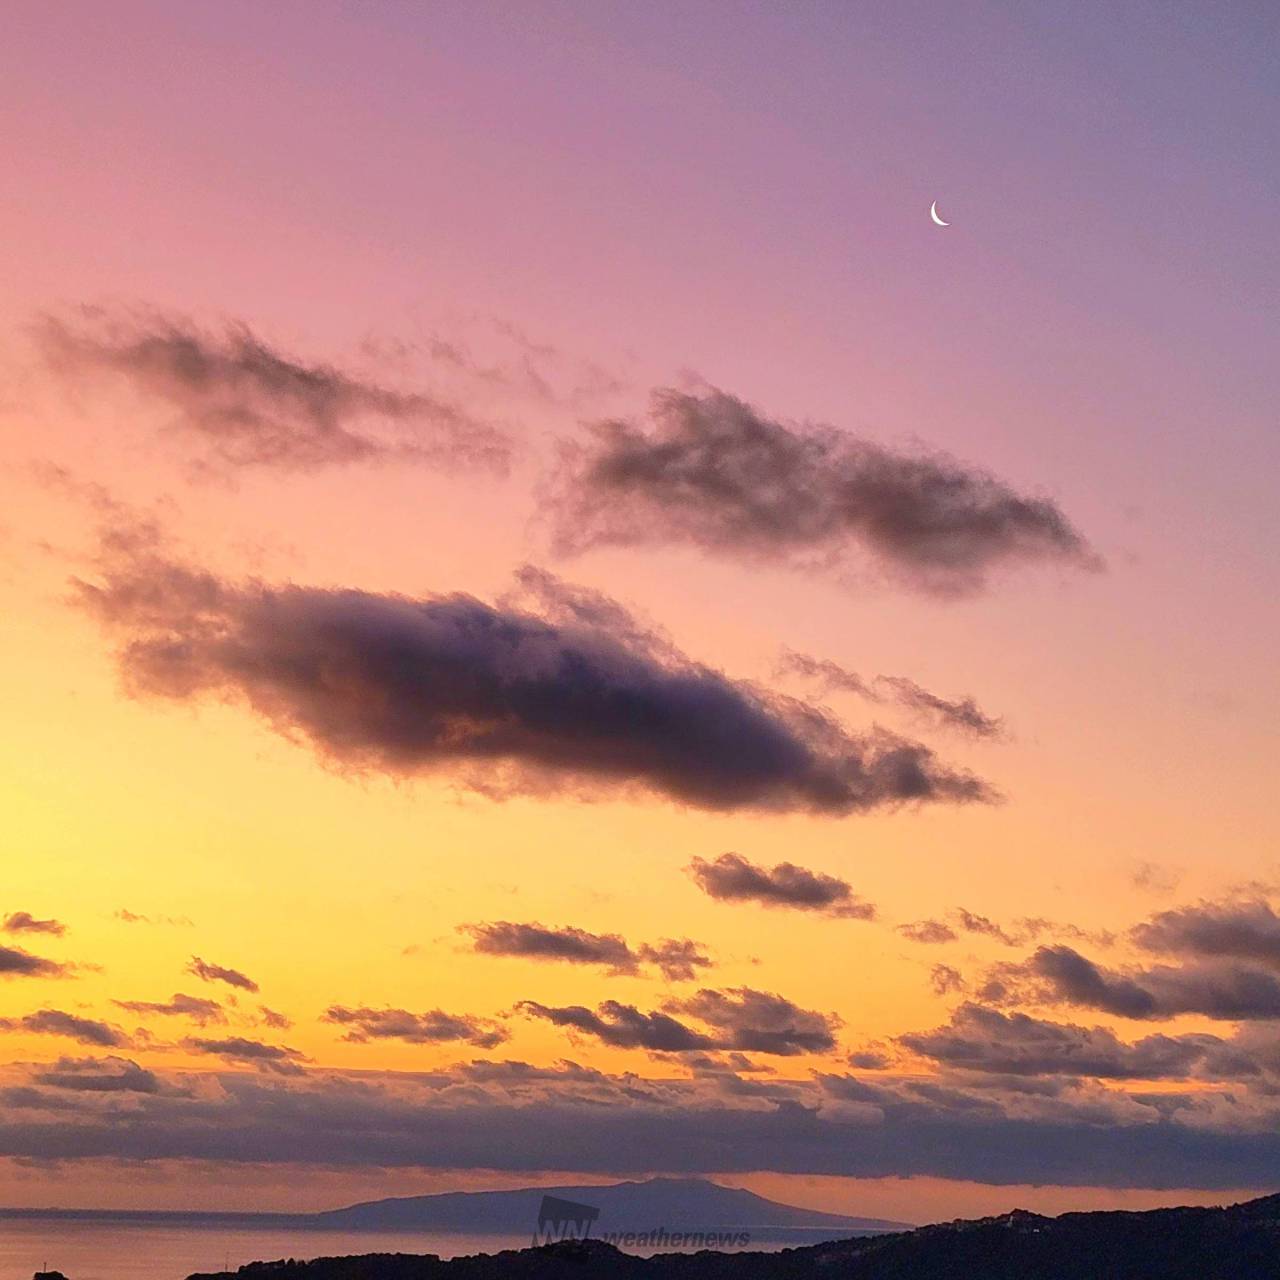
<point>147,1251</point>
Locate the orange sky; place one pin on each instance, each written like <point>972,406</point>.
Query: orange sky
<point>477,209</point>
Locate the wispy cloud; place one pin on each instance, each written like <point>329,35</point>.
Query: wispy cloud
<point>251,404</point>
<point>363,1024</point>
<point>712,471</point>
<point>207,972</point>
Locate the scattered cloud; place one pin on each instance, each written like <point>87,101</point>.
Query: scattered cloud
<point>623,1026</point>
<point>677,959</point>
<point>732,878</point>
<point>54,1022</point>
<point>199,1010</point>
<point>713,472</point>
<point>25,922</point>
<point>930,932</point>
<point>275,1058</point>
<point>761,1022</point>
<point>207,972</point>
<point>1243,930</point>
<point>17,963</point>
<point>538,942</point>
<point>988,1040</point>
<point>250,404</point>
<point>434,1027</point>
<point>1214,989</point>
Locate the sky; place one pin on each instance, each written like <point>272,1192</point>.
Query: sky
<point>556,627</point>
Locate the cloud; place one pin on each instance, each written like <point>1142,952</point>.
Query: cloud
<point>218,973</point>
<point>713,472</point>
<point>740,1019</point>
<point>199,1010</point>
<point>54,1022</point>
<point>271,1018</point>
<point>962,715</point>
<point>275,1058</point>
<point>252,405</point>
<point>732,878</point>
<point>1215,989</point>
<point>623,1026</point>
<point>945,978</point>
<point>677,959</point>
<point>98,1075</point>
<point>1247,930</point>
<point>972,923</point>
<point>931,932</point>
<point>538,942</point>
<point>761,1022</point>
<point>499,700</point>
<point>997,1129</point>
<point>435,1027</point>
<point>15,962</point>
<point>132,917</point>
<point>25,922</point>
<point>987,1040</point>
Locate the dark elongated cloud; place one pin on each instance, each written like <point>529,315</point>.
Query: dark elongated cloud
<point>252,405</point>
<point>25,922</point>
<point>196,1008</point>
<point>713,472</point>
<point>761,1022</point>
<point>987,1040</point>
<point>15,962</point>
<point>677,959</point>
<point>963,715</point>
<point>98,1075</point>
<point>54,1022</point>
<point>220,973</point>
<point>434,1027</point>
<point>497,699</point>
<point>1216,989</point>
<point>1231,930</point>
<point>538,942</point>
<point>623,1026</point>
<point>275,1058</point>
<point>740,1019</point>
<point>732,878</point>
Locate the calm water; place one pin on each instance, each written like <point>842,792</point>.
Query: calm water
<point>110,1251</point>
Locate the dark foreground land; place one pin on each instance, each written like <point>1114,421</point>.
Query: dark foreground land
<point>1241,1242</point>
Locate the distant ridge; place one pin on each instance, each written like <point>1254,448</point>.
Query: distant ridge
<point>674,1203</point>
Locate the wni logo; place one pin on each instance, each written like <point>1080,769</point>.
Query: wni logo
<point>564,1220</point>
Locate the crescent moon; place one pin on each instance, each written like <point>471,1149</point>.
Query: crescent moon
<point>933,213</point>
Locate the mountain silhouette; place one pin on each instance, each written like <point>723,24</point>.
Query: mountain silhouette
<point>673,1203</point>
